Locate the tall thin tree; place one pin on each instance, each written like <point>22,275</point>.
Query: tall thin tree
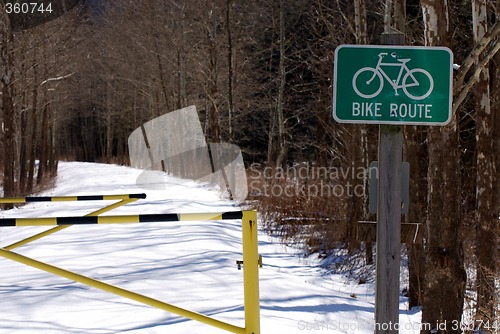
<point>445,274</point>
<point>10,186</point>
<point>486,216</point>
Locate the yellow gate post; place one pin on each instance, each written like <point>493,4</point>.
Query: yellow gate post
<point>251,272</point>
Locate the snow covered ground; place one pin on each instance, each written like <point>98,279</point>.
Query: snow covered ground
<point>188,264</point>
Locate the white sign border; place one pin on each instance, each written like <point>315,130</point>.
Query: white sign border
<point>369,46</point>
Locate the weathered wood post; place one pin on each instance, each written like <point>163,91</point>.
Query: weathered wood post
<point>390,151</point>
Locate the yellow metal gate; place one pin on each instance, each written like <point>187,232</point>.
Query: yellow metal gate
<point>251,259</point>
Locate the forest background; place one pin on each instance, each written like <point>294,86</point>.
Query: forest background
<point>260,74</point>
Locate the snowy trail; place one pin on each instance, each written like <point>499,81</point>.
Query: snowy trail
<point>189,264</point>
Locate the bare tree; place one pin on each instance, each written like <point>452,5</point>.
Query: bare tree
<point>495,109</point>
<point>444,273</point>
<point>10,186</point>
<point>486,215</point>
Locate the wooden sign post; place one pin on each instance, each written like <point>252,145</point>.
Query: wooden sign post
<point>390,152</point>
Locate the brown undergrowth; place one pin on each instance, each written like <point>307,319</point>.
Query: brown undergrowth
<point>306,209</point>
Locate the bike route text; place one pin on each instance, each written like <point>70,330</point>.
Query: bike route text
<point>380,110</point>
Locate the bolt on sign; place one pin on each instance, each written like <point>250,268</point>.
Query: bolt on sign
<point>376,84</point>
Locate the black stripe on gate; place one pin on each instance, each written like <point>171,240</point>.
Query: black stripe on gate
<point>8,222</point>
<point>37,199</point>
<point>137,196</point>
<point>232,215</point>
<point>166,217</point>
<point>77,220</point>
<point>90,198</point>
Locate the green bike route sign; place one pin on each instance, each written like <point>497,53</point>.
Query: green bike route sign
<point>379,84</point>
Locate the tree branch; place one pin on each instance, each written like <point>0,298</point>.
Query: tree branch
<point>349,25</point>
<point>462,94</point>
<point>55,79</point>
<point>474,55</point>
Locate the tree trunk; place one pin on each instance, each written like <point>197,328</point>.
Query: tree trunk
<point>416,258</point>
<point>360,139</point>
<point>400,15</point>
<point>486,217</point>
<point>495,103</point>
<point>282,145</point>
<point>10,187</point>
<point>44,144</point>
<point>213,91</point>
<point>108,150</point>
<point>52,156</point>
<point>230,70</point>
<point>444,273</point>
<point>181,62</point>
<point>355,204</point>
<point>34,126</point>
<point>25,139</point>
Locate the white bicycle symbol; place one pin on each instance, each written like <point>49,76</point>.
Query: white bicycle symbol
<point>371,89</point>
